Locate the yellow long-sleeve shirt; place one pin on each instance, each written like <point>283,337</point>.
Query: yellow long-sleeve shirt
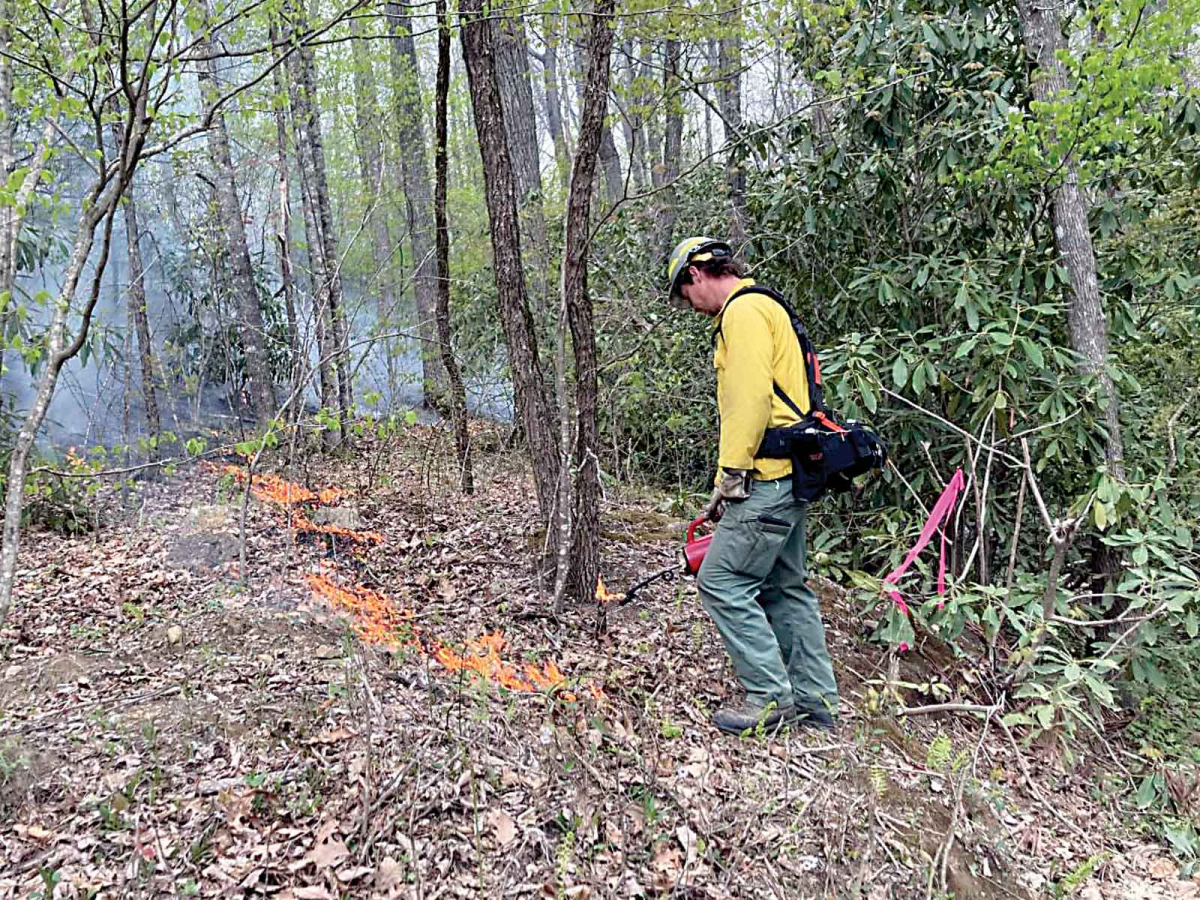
<point>755,348</point>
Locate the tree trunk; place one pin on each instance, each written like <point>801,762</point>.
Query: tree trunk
<point>12,216</point>
<point>645,113</point>
<point>610,160</point>
<point>672,146</point>
<point>287,278</point>
<point>310,143</point>
<point>369,143</point>
<point>731,112</point>
<point>554,118</point>
<point>631,123</point>
<point>500,194</point>
<point>654,142</point>
<point>241,275</point>
<point>141,323</point>
<point>1041,27</point>
<point>585,552</point>
<point>8,163</point>
<point>458,394</point>
<point>100,205</point>
<point>516,96</point>
<point>414,171</point>
<point>320,282</point>
<point>520,127</point>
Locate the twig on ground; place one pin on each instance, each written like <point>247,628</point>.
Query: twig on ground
<point>1037,794</point>
<point>949,707</point>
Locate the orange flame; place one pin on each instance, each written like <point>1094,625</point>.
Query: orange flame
<point>301,522</point>
<point>603,597</point>
<point>376,618</point>
<point>271,488</point>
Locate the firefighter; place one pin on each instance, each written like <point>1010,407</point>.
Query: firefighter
<point>753,581</point>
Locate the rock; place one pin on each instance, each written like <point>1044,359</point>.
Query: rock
<point>340,516</point>
<point>207,539</point>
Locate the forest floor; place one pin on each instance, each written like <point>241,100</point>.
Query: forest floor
<point>166,730</point>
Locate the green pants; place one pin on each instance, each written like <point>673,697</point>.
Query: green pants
<point>754,586</point>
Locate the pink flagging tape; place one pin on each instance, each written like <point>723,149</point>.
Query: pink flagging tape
<point>939,516</point>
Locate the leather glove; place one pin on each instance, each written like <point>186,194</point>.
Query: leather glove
<point>734,485</point>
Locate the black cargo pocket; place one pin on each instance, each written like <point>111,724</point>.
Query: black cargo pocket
<point>761,542</point>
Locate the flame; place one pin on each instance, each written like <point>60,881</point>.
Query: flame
<point>301,522</point>
<point>271,488</point>
<point>482,655</point>
<point>603,597</point>
<point>376,619</point>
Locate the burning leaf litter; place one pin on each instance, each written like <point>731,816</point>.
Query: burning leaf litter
<point>378,620</point>
<point>269,488</point>
<point>603,596</point>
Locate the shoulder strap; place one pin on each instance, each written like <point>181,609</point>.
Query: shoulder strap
<point>808,352</point>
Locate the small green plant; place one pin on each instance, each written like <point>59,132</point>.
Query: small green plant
<point>50,880</point>
<point>1069,884</point>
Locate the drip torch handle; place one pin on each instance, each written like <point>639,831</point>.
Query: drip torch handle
<point>696,523</point>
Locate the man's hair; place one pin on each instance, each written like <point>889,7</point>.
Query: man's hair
<point>714,268</point>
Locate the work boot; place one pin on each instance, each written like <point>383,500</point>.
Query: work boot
<point>814,717</point>
<point>747,716</point>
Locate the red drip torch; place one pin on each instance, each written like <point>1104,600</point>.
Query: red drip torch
<point>694,548</point>
<point>688,562</point>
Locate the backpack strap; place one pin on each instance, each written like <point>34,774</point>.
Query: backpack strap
<point>808,352</point>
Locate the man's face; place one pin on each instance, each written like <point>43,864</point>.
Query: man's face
<point>697,294</point>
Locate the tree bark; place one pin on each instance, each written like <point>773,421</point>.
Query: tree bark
<point>1041,28</point>
<point>251,329</point>
<point>310,145</point>
<point>369,143</point>
<point>287,278</point>
<point>520,128</point>
<point>516,96</point>
<point>585,552</point>
<point>500,193</point>
<point>414,171</point>
<point>631,123</point>
<point>12,217</point>
<point>731,112</point>
<point>554,117</point>
<point>141,323</point>
<point>672,145</point>
<point>322,319</point>
<point>8,163</point>
<point>610,159</point>
<point>458,394</point>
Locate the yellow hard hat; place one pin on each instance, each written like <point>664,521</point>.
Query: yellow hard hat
<point>694,250</point>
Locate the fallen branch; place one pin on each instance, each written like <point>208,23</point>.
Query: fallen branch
<point>1029,783</point>
<point>949,707</point>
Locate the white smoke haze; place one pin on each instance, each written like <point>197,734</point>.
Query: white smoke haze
<point>88,408</point>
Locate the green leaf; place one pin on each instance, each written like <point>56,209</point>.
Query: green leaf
<point>1141,555</point>
<point>900,372</point>
<point>1147,793</point>
<point>1033,352</point>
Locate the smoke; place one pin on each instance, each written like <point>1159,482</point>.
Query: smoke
<point>92,406</point>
